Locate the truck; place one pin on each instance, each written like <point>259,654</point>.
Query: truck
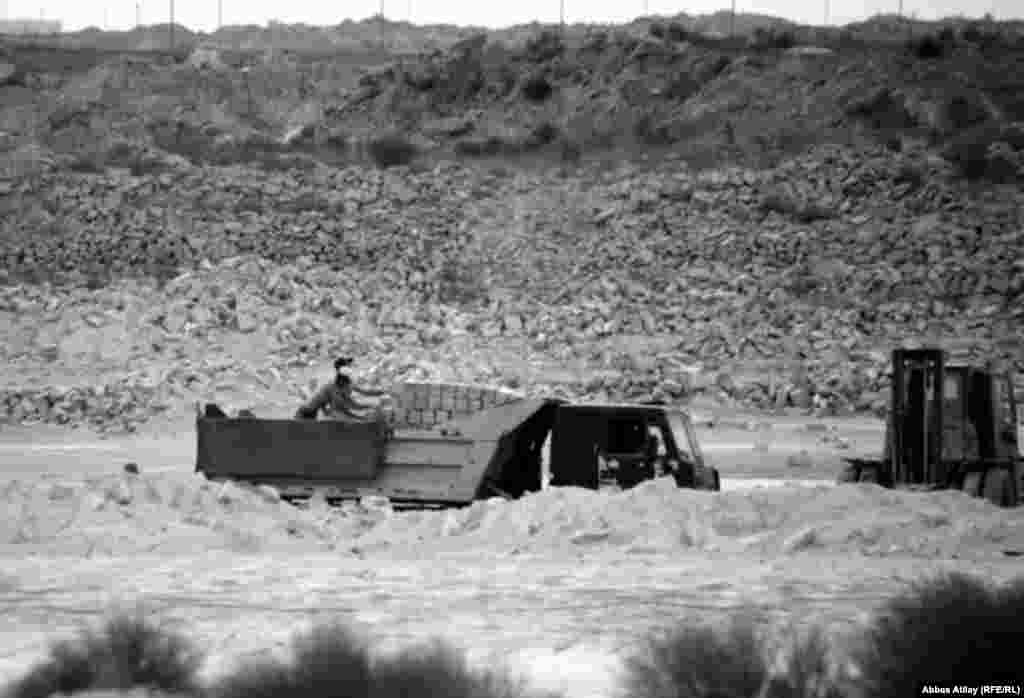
<point>506,450</point>
<point>950,425</point>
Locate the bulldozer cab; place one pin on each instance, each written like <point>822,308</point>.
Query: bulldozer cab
<point>947,420</point>
<point>638,442</point>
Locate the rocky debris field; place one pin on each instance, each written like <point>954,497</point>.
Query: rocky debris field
<point>132,246</point>
<point>776,288</point>
<point>172,514</point>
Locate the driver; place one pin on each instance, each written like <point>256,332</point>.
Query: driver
<point>336,401</point>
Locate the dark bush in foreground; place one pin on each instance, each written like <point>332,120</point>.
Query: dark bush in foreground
<point>391,151</point>
<point>437,671</point>
<point>127,651</point>
<point>737,663</point>
<point>330,662</point>
<point>699,663</point>
<point>953,628</point>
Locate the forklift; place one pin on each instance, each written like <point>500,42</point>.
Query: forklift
<point>950,426</point>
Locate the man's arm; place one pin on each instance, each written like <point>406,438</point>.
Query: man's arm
<point>358,416</point>
<point>369,393</point>
<point>315,404</point>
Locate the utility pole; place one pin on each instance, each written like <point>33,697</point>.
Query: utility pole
<point>172,26</point>
<point>826,12</point>
<point>561,15</point>
<point>220,13</point>
<point>732,20</point>
<point>138,14</point>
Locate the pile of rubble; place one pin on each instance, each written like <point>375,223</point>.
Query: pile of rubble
<point>776,288</point>
<point>135,513</point>
<point>864,519</point>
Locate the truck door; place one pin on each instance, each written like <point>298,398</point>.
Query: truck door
<point>573,456</point>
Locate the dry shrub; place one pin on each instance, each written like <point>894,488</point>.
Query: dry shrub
<point>544,47</point>
<point>694,662</point>
<point>810,670</point>
<point>970,151</point>
<point>536,88</point>
<point>701,662</point>
<point>391,150</point>
<point>772,39</point>
<point>437,671</point>
<point>331,661</point>
<point>952,628</point>
<point>927,47</point>
<point>126,652</point>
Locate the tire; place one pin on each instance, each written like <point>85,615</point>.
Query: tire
<point>998,488</point>
<point>868,474</point>
<point>972,483</point>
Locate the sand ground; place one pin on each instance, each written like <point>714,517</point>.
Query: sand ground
<point>563,619</point>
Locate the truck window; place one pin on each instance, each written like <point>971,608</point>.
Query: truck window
<point>682,437</point>
<point>951,388</point>
<point>626,436</point>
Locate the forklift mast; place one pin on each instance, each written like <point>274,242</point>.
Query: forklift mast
<point>915,439</point>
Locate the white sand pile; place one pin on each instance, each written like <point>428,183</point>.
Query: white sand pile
<point>121,515</point>
<point>657,515</point>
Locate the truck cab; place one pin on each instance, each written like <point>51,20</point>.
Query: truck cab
<point>600,444</point>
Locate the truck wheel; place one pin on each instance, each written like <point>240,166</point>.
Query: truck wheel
<point>868,474</point>
<point>997,488</point>
<point>716,481</point>
<point>972,484</point>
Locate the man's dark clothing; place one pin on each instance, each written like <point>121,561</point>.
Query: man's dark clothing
<point>334,400</point>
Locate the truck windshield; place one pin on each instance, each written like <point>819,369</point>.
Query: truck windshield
<point>683,437</point>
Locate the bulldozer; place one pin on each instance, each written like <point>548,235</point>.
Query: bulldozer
<point>505,450</point>
<point>950,425</point>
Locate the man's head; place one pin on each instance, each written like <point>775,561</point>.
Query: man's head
<point>343,362</point>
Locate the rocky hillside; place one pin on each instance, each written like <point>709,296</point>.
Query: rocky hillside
<point>195,231</point>
<point>777,287</point>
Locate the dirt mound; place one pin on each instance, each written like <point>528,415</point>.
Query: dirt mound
<point>122,515</point>
<point>151,513</point>
<point>657,515</point>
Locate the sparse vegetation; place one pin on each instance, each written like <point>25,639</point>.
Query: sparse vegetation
<point>545,46</point>
<point>772,39</point>
<point>700,662</point>
<point>927,47</point>
<point>127,651</point>
<point>331,661</point>
<point>971,153</point>
<point>536,88</point>
<point>951,628</point>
